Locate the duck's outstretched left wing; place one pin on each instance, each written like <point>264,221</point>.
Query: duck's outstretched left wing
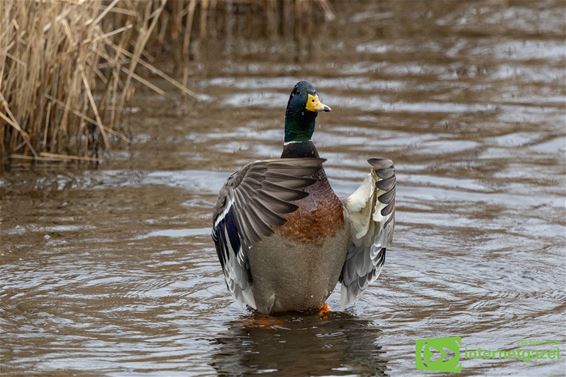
<point>371,215</point>
<point>251,204</point>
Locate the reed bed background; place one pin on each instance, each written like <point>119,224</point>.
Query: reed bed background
<point>68,69</point>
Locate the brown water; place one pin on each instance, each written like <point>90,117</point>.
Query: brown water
<point>111,271</point>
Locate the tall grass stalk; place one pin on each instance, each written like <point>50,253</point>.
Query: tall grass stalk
<point>68,67</point>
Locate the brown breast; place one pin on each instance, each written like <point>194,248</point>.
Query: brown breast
<point>320,215</point>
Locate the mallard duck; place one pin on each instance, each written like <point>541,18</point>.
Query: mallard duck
<point>283,237</point>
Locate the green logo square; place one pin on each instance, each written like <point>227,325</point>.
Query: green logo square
<point>439,354</point>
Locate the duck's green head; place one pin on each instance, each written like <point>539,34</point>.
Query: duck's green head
<point>303,106</point>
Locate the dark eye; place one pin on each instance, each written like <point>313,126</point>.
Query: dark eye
<point>312,100</point>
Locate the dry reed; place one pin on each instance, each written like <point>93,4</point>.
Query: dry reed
<point>67,68</point>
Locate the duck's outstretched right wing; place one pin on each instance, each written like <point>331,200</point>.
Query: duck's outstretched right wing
<point>251,204</point>
<point>371,215</point>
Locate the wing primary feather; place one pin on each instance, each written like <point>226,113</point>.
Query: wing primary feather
<point>249,231</point>
<point>389,221</point>
<point>380,163</point>
<point>278,205</point>
<point>386,184</point>
<point>266,214</point>
<point>261,228</point>
<point>284,193</point>
<point>293,163</point>
<point>291,181</point>
<point>385,173</point>
<point>388,208</point>
<point>387,197</point>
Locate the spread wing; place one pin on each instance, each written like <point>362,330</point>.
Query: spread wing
<point>371,211</point>
<point>251,204</point>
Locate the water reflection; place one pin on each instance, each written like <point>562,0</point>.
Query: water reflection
<point>111,271</point>
<point>339,345</point>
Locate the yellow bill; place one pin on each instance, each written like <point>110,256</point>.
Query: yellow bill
<point>314,104</point>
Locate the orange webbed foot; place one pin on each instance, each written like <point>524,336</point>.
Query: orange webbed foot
<point>324,311</point>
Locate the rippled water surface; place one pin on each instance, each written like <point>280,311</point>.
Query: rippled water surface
<point>111,271</point>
